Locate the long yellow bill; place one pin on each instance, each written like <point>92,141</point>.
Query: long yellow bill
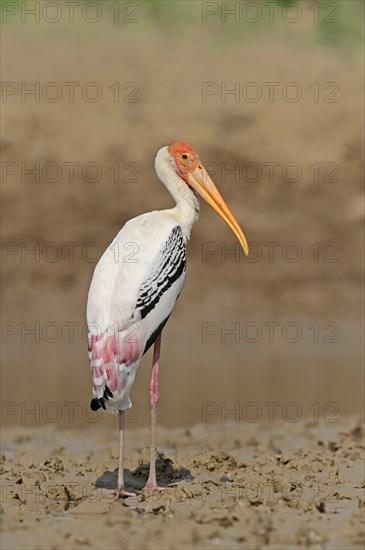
<point>200,180</point>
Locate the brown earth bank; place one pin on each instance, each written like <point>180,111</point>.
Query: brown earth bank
<point>251,486</point>
<point>318,219</point>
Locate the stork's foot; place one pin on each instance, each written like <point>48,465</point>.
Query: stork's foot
<point>122,493</point>
<point>154,488</point>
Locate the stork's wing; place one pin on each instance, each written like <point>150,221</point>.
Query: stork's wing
<point>168,268</point>
<point>129,302</point>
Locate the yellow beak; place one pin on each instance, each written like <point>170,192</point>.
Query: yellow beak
<point>200,180</point>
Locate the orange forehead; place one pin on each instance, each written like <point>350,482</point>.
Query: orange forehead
<point>180,147</point>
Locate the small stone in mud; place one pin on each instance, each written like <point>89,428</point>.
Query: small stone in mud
<point>223,479</point>
<point>333,446</point>
<point>321,506</point>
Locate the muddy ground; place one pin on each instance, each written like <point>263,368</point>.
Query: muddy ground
<point>264,486</point>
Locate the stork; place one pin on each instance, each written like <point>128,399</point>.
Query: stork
<point>131,297</point>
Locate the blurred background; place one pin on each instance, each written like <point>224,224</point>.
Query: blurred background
<point>271,96</point>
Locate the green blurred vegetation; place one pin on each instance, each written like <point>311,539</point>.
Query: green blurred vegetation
<point>336,24</point>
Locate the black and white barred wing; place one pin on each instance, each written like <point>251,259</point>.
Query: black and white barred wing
<point>159,292</point>
<point>167,275</point>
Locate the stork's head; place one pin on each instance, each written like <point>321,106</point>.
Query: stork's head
<point>189,167</point>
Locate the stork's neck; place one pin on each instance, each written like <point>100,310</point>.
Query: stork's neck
<point>187,206</point>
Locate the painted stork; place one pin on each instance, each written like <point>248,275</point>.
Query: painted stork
<point>131,298</point>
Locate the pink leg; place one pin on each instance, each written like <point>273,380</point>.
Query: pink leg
<point>154,395</point>
<point>120,492</point>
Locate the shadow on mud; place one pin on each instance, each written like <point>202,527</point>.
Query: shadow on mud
<point>135,480</point>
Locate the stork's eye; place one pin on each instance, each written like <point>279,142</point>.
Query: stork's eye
<point>184,156</point>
